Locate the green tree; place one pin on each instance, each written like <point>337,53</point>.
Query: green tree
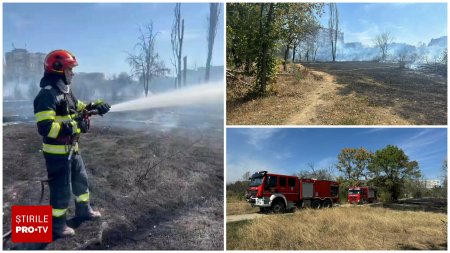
<point>353,164</point>
<point>297,21</point>
<point>256,30</point>
<point>344,184</point>
<point>390,167</point>
<point>242,36</point>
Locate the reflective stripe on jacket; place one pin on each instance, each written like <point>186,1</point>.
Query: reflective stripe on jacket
<point>53,109</point>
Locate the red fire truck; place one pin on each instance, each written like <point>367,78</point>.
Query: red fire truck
<point>281,192</point>
<point>362,195</point>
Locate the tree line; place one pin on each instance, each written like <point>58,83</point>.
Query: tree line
<point>146,63</point>
<point>260,36</point>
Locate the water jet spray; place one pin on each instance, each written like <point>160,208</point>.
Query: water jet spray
<point>194,95</point>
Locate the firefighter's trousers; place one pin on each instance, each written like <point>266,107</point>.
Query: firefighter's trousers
<point>66,176</point>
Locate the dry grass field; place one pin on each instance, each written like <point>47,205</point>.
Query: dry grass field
<point>352,228</point>
<point>343,93</point>
<point>235,206</point>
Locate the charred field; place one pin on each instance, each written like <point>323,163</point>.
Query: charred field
<point>418,96</point>
<point>158,188</point>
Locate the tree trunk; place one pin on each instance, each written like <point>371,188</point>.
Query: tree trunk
<point>286,54</point>
<point>213,20</point>
<point>264,45</point>
<point>293,54</point>
<point>177,36</point>
<point>333,26</point>
<point>180,40</point>
<point>184,70</point>
<point>262,73</point>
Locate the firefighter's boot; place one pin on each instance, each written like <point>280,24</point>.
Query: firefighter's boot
<point>84,211</point>
<point>60,228</point>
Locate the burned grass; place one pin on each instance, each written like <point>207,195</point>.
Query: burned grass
<point>353,228</point>
<point>418,97</point>
<point>156,190</point>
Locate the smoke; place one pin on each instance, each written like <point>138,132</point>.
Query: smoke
<point>414,55</point>
<point>194,95</point>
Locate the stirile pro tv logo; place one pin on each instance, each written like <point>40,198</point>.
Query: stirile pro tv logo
<point>31,224</point>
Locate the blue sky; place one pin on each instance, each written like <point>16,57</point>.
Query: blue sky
<point>289,150</point>
<point>100,34</point>
<point>407,22</point>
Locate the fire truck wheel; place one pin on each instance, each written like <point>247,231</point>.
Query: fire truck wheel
<point>327,204</point>
<point>278,207</point>
<point>316,204</point>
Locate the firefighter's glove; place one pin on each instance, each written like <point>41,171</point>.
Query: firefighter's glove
<point>83,125</point>
<point>100,106</point>
<point>69,128</point>
<point>103,108</point>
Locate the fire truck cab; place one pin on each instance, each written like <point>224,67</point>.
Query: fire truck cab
<point>282,192</point>
<point>362,195</point>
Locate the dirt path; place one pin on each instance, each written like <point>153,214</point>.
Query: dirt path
<point>313,99</point>
<point>241,217</point>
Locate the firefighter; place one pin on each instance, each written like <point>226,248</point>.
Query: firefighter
<point>56,108</point>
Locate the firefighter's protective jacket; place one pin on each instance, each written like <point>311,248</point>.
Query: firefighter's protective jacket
<point>55,112</point>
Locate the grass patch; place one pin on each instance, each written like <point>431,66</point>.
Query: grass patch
<point>284,97</point>
<point>352,228</point>
<point>235,207</point>
<point>233,231</point>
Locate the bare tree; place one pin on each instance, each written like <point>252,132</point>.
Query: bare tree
<point>146,63</point>
<point>214,11</point>
<point>333,28</point>
<point>444,57</point>
<point>383,41</point>
<point>312,172</point>
<point>312,43</point>
<point>177,36</point>
<point>246,176</point>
